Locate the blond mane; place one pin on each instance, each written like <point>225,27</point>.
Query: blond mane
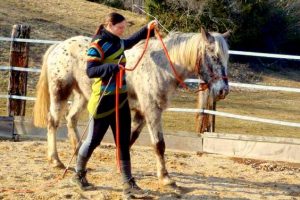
<point>184,48</point>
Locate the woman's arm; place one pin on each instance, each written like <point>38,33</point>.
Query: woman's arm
<point>136,37</point>
<point>98,70</point>
<point>95,67</point>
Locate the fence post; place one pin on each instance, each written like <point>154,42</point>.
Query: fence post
<point>205,122</point>
<point>18,80</point>
<point>213,118</point>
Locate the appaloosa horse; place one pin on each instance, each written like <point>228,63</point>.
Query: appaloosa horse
<point>150,86</point>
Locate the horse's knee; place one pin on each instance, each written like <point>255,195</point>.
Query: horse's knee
<point>71,121</point>
<point>52,122</point>
<point>138,117</point>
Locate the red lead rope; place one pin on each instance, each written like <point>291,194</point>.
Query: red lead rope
<point>171,63</point>
<point>119,80</point>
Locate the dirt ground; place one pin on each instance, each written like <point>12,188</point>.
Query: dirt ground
<point>25,174</point>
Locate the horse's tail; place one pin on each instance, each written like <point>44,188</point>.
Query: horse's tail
<point>42,103</point>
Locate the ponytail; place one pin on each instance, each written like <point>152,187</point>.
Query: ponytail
<point>99,30</point>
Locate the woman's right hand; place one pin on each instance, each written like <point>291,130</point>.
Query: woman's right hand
<point>152,24</point>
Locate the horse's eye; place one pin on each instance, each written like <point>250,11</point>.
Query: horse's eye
<point>215,58</point>
<point>210,49</point>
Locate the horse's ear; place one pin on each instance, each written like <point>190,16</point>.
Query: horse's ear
<point>206,35</point>
<point>227,34</point>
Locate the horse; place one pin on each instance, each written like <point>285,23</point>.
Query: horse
<point>150,86</point>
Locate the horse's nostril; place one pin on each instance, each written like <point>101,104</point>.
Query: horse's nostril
<point>226,91</point>
<point>221,92</point>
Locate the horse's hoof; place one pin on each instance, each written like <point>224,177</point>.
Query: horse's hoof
<point>57,164</point>
<point>167,181</point>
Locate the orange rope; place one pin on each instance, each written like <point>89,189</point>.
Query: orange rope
<point>119,79</point>
<point>143,53</point>
<point>171,63</point>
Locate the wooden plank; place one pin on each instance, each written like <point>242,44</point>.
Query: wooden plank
<point>25,128</point>
<point>255,147</point>
<point>18,80</point>
<point>6,127</point>
<point>235,145</point>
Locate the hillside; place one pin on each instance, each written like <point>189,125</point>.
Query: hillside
<point>55,20</point>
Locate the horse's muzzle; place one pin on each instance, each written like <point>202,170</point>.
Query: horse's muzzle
<point>223,93</point>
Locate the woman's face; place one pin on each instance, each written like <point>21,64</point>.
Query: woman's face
<point>117,29</point>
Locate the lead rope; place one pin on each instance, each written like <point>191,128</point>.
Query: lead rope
<point>119,79</point>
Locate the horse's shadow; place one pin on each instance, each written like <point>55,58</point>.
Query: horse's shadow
<point>184,189</point>
<point>228,184</point>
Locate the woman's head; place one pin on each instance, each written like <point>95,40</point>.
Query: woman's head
<point>114,23</point>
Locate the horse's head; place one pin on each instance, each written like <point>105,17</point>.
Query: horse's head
<point>212,63</point>
<point>211,66</point>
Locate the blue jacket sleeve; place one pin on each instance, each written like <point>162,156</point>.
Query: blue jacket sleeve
<point>98,70</point>
<point>136,37</point>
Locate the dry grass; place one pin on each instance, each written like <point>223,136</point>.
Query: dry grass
<point>58,20</point>
<point>272,105</point>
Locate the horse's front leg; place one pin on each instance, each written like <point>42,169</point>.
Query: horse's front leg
<point>153,119</point>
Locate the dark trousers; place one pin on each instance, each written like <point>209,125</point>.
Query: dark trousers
<point>97,130</point>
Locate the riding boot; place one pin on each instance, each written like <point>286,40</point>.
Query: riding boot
<point>79,178</point>
<point>132,190</point>
<point>125,169</point>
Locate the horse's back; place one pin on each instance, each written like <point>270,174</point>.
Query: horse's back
<point>66,63</point>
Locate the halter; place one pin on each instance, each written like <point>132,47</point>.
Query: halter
<point>213,76</point>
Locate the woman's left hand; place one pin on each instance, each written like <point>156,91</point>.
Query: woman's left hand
<point>152,24</point>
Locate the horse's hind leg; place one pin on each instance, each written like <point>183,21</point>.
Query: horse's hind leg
<point>78,104</point>
<point>56,110</point>
<point>137,125</point>
<point>153,119</point>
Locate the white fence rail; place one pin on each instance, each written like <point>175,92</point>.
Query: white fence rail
<point>21,69</point>
<point>242,85</point>
<point>217,113</point>
<point>232,52</point>
<point>253,86</point>
<point>8,39</point>
<point>190,110</point>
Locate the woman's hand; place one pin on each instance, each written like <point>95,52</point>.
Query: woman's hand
<point>121,67</point>
<point>152,24</point>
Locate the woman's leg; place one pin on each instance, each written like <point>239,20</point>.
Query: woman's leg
<point>130,188</point>
<point>124,146</point>
<point>97,130</point>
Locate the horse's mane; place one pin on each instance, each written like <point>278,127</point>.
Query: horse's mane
<point>184,47</point>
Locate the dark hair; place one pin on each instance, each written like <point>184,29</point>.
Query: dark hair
<point>113,18</point>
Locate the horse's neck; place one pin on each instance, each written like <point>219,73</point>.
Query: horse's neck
<point>183,53</point>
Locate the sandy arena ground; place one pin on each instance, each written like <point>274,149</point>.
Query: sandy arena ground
<point>25,174</point>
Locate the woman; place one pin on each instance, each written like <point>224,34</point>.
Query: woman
<point>104,62</point>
